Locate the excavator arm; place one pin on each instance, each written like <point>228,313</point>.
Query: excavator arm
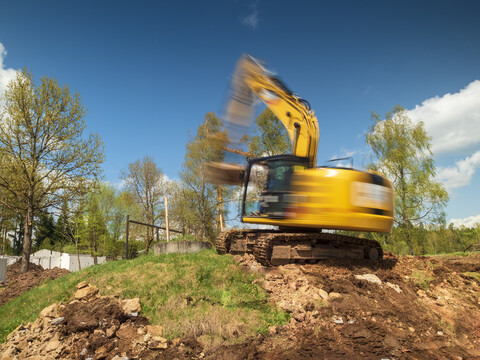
<point>252,80</point>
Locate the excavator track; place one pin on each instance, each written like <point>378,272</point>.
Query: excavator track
<point>272,248</point>
<point>223,244</point>
<point>239,241</point>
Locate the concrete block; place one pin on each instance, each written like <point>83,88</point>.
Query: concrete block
<point>181,247</point>
<point>3,269</point>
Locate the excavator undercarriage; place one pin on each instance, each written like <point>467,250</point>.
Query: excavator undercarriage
<point>277,247</point>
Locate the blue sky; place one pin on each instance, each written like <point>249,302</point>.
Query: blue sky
<point>149,71</point>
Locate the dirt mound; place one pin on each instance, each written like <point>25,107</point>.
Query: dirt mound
<point>18,283</point>
<point>401,308</point>
<point>95,327</point>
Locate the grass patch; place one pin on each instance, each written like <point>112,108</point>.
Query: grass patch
<point>456,253</point>
<point>189,294</point>
<point>322,303</point>
<point>421,279</point>
<point>473,274</point>
<point>447,327</point>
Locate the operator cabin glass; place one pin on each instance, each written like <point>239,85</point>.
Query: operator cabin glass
<point>268,188</point>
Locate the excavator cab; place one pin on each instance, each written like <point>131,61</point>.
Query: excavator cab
<point>268,189</point>
<point>285,191</point>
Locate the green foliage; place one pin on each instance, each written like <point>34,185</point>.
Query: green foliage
<point>192,294</point>
<point>473,274</point>
<point>403,154</point>
<point>45,235</point>
<point>421,279</point>
<point>181,217</point>
<point>17,237</point>
<point>145,183</point>
<point>8,225</point>
<point>97,224</point>
<point>431,240</point>
<point>93,224</point>
<point>45,157</point>
<point>199,200</point>
<point>271,137</point>
<point>63,224</point>
<point>94,230</point>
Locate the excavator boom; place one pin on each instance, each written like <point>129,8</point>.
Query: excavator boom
<point>250,81</point>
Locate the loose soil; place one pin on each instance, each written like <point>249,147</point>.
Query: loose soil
<point>18,283</point>
<point>400,308</point>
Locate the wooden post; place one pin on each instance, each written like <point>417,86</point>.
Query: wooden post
<point>166,219</point>
<point>126,237</point>
<point>4,239</point>
<point>220,208</point>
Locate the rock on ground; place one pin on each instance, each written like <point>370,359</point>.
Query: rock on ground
<point>90,326</point>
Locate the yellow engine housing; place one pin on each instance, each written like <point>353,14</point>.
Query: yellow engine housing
<point>335,198</point>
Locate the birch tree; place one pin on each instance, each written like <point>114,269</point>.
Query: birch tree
<point>145,182</point>
<point>402,151</point>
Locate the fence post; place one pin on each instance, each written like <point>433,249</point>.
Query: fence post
<point>126,237</point>
<point>166,219</point>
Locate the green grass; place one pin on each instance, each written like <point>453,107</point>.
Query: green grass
<point>456,253</point>
<point>421,279</point>
<point>447,327</point>
<point>193,294</point>
<point>473,274</point>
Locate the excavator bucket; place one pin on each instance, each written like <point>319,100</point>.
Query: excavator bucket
<point>224,173</point>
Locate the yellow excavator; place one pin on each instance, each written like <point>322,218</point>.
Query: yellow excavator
<point>289,191</point>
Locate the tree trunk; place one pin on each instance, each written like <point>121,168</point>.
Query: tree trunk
<point>94,248</point>
<point>27,239</point>
<point>4,239</point>
<point>149,240</point>
<point>78,255</point>
<point>408,238</point>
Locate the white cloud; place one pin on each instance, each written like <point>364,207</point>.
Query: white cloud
<point>471,221</point>
<point>452,120</point>
<point>252,19</point>
<point>460,174</point>
<point>6,75</point>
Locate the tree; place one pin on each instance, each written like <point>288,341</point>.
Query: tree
<point>71,223</point>
<point>113,212</point>
<point>201,197</point>
<point>44,156</point>
<point>271,137</point>
<point>145,182</point>
<point>403,154</point>
<point>44,230</point>
<point>7,225</point>
<point>180,215</point>
<point>62,225</point>
<point>94,228</point>
<point>18,234</point>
